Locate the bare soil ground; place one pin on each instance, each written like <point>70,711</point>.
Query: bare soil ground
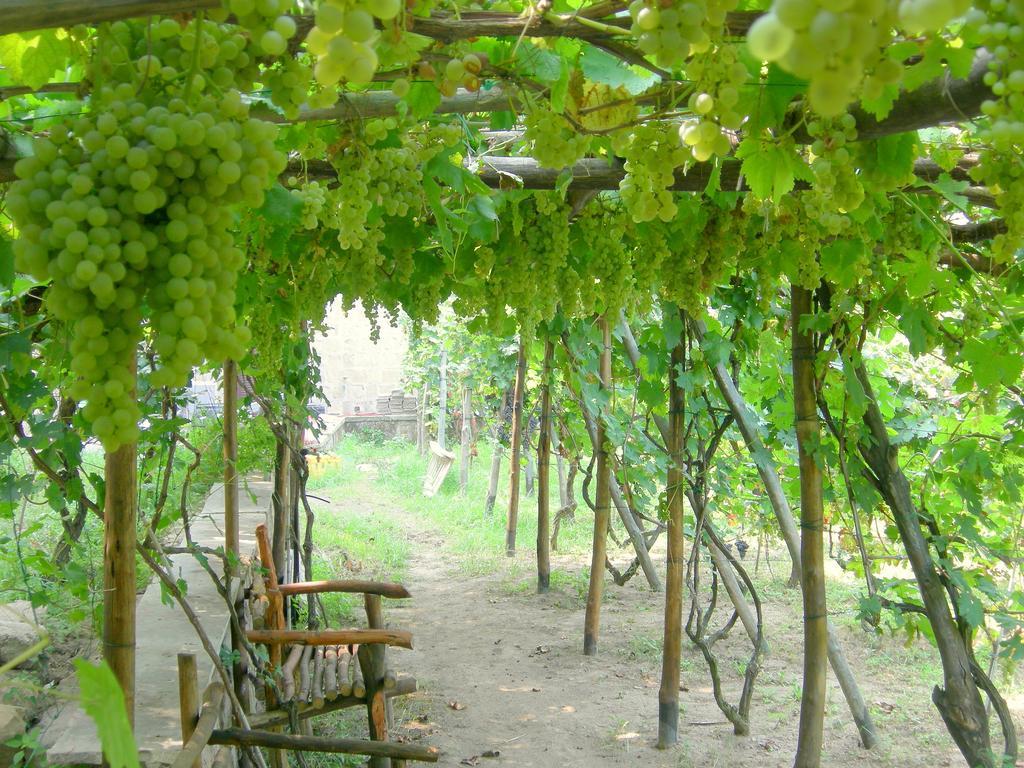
<point>502,679</point>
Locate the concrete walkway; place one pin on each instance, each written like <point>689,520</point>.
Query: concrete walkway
<point>162,633</point>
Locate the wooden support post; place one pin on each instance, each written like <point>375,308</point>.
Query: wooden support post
<point>188,697</point>
<point>231,459</point>
<point>442,401</point>
<point>668,695</point>
<point>602,504</point>
<point>512,520</point>
<point>467,438</point>
<point>282,471</point>
<point>119,521</point>
<point>812,702</point>
<point>544,475</point>
<point>372,663</point>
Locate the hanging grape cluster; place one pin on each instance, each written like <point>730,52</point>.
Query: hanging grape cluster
<point>603,239</point>
<point>651,153</point>
<point>525,269</point>
<point>999,26</point>
<point>671,32</point>
<point>553,141</point>
<point>717,81</point>
<point>837,189</point>
<point>344,37</point>
<point>127,210</point>
<point>838,46</point>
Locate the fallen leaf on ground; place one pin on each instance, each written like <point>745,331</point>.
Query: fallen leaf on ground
<point>491,753</point>
<point>470,760</point>
<point>885,706</point>
<point>458,706</point>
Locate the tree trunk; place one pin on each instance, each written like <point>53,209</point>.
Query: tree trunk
<point>812,553</point>
<point>960,702</point>
<point>668,694</point>
<point>592,619</point>
<point>769,473</point>
<point>512,520</point>
<point>119,521</point>
<point>544,474</point>
<point>529,464</point>
<point>556,447</point>
<point>467,439</point>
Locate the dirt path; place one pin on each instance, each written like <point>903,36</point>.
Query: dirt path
<point>503,681</point>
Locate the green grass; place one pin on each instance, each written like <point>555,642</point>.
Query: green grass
<point>477,539</point>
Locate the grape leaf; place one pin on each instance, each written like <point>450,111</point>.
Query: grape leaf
<point>103,701</point>
<point>45,54</point>
<point>770,169</point>
<point>602,67</point>
<point>12,48</point>
<point>773,98</point>
<point>423,98</point>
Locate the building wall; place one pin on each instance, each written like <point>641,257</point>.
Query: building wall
<point>354,369</point>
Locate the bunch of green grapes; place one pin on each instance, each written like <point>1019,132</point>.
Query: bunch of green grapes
<point>289,81</point>
<point>717,79</point>
<point>671,31</point>
<point>651,153</point>
<point>649,254</point>
<point>553,141</point>
<point>313,197</point>
<point>344,37</point>
<point>999,26</point>
<point>267,22</point>
<point>127,211</point>
<point>829,43</point>
<point>710,260</point>
<point>603,233</point>
<point>837,190</point>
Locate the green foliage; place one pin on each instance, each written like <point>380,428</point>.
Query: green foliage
<point>103,701</point>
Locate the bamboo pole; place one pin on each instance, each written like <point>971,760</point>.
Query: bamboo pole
<point>602,504</point>
<point>119,540</point>
<point>512,520</point>
<point>442,401</point>
<point>812,702</point>
<point>668,694</point>
<point>230,416</point>
<point>467,439</point>
<point>279,530</point>
<point>188,698</point>
<point>544,474</point>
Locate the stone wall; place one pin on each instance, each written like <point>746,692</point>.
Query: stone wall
<point>355,370</point>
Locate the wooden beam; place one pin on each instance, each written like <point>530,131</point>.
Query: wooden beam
<point>242,737</point>
<point>27,15</point>
<point>394,591</point>
<point>399,638</point>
